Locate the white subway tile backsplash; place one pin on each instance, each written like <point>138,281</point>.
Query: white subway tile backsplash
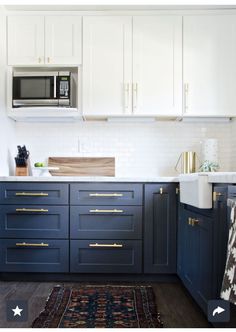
<point>140,149</point>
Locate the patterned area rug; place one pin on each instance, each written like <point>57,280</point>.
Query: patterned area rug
<point>101,307</point>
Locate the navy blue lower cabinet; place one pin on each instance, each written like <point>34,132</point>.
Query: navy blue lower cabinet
<point>196,248</point>
<point>24,255</point>
<point>106,194</point>
<point>108,222</point>
<point>34,193</point>
<point>160,228</point>
<point>105,256</point>
<point>34,221</point>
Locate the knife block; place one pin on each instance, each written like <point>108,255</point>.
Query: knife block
<point>22,171</point>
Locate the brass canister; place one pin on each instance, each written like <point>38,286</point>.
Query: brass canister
<point>188,162</point>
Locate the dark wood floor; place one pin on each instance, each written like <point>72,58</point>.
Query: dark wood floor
<point>174,303</point>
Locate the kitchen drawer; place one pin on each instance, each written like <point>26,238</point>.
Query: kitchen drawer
<point>103,256</point>
<point>106,194</point>
<point>108,222</point>
<point>24,255</point>
<point>34,193</point>
<point>34,221</point>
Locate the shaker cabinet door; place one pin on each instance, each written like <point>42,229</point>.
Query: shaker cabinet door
<point>63,39</point>
<point>157,65</point>
<point>25,40</point>
<point>107,67</point>
<point>209,60</point>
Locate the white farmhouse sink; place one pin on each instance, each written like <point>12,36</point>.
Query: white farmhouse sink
<point>195,190</point>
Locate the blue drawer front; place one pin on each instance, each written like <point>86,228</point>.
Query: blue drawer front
<point>108,222</point>
<point>105,194</point>
<point>87,257</point>
<point>34,221</point>
<point>34,193</point>
<point>31,258</point>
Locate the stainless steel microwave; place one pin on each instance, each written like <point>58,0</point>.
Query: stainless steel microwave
<point>51,88</point>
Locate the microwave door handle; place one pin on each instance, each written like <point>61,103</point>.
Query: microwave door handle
<point>55,87</point>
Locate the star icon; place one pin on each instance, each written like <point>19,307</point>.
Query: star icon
<point>17,311</point>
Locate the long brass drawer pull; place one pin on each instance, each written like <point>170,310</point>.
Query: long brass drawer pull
<point>31,194</point>
<point>105,195</point>
<point>24,244</point>
<point>31,210</point>
<point>106,245</point>
<point>106,211</point>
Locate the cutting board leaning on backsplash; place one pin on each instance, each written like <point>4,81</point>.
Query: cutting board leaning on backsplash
<point>82,166</point>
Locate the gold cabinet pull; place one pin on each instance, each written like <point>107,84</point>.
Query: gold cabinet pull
<point>126,97</point>
<point>105,245</point>
<point>135,95</point>
<point>106,211</point>
<point>105,195</point>
<point>193,222</point>
<point>24,244</point>
<point>161,190</point>
<point>215,195</point>
<point>31,194</point>
<point>31,210</point>
<point>177,190</point>
<point>186,90</point>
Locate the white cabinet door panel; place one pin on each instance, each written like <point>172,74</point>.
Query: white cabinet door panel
<point>157,65</point>
<point>25,40</point>
<point>63,39</point>
<point>210,65</point>
<point>107,65</point>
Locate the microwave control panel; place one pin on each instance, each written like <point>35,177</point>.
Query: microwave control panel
<point>63,87</point>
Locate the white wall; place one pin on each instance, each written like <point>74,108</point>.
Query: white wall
<point>7,132</point>
<point>140,149</point>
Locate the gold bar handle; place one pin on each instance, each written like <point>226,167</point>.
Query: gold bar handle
<point>135,95</point>
<point>31,210</point>
<point>215,195</point>
<point>186,90</point>
<point>106,245</point>
<point>195,222</point>
<point>106,211</point>
<point>24,244</point>
<point>190,221</point>
<point>161,190</point>
<point>126,91</point>
<point>105,195</point>
<point>31,194</point>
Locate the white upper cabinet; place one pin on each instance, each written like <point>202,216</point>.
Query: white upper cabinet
<point>37,40</point>
<point>132,66</point>
<point>107,65</point>
<point>210,65</point>
<point>63,39</point>
<point>25,40</point>
<point>157,65</point>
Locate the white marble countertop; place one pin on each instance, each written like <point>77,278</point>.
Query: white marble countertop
<point>86,179</point>
<point>213,177</point>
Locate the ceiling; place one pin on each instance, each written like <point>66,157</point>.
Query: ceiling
<point>113,7</point>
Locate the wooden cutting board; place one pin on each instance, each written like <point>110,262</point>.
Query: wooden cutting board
<point>82,166</point>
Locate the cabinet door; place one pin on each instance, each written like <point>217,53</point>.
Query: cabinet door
<point>160,228</point>
<point>25,40</point>
<point>210,65</point>
<point>107,69</point>
<point>157,65</point>
<point>63,40</point>
<point>189,246</point>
